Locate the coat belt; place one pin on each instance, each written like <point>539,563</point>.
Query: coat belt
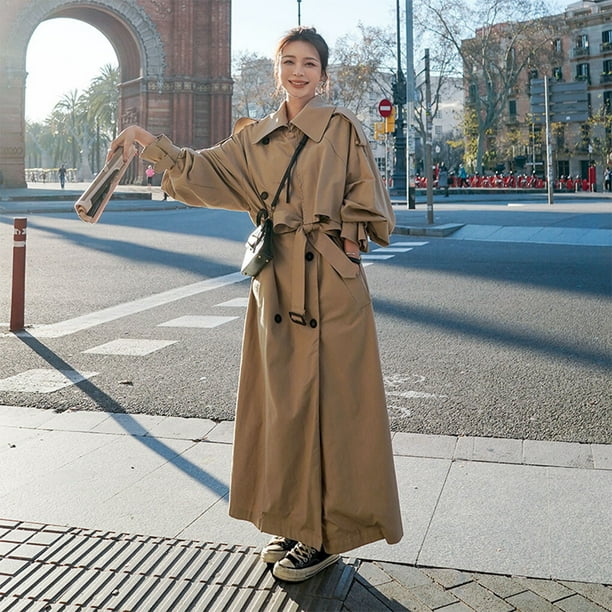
<point>310,234</point>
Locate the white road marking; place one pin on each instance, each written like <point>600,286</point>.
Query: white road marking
<point>127,346</point>
<point>370,256</point>
<point>406,244</point>
<point>240,302</point>
<point>71,326</point>
<point>43,380</point>
<point>205,321</point>
<point>393,249</point>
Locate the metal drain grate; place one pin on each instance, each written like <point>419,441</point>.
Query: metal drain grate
<point>48,568</point>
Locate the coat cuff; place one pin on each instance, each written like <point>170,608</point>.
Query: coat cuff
<point>355,232</point>
<point>163,153</point>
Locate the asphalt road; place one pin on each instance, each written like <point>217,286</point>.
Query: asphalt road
<point>477,338</point>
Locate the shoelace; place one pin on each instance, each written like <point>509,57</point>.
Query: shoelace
<point>303,553</point>
<point>279,540</point>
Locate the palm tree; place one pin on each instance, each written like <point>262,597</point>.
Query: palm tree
<point>102,101</point>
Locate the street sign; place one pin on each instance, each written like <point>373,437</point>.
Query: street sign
<point>385,108</point>
<point>568,102</point>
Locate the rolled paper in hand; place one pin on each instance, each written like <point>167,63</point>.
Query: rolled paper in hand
<point>92,203</point>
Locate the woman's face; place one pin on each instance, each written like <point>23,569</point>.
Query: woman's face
<point>299,70</point>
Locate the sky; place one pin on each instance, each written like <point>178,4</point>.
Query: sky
<point>54,69</point>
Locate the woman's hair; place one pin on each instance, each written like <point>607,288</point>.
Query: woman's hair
<point>309,35</point>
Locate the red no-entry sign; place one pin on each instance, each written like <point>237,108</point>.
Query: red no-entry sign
<point>385,108</point>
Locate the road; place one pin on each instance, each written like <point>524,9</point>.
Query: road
<point>143,313</point>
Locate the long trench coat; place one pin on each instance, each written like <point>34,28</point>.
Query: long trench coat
<point>312,451</point>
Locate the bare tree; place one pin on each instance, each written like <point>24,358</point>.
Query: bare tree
<point>361,65</point>
<point>255,92</point>
<point>494,48</point>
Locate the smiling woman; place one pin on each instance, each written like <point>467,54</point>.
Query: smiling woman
<point>63,55</point>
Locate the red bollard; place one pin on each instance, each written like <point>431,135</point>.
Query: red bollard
<point>18,290</point>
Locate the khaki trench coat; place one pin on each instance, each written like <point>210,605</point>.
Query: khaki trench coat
<point>312,452</point>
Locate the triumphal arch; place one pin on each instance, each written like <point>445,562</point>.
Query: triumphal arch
<point>174,60</point>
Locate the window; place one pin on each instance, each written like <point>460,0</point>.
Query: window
<point>558,45</point>
<point>558,73</point>
<point>533,74</point>
<point>582,41</point>
<point>607,101</point>
<point>582,72</point>
<point>512,109</point>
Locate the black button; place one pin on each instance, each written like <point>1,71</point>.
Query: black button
<point>309,256</point>
<point>263,195</point>
<point>265,140</point>
<point>278,318</point>
<point>313,323</point>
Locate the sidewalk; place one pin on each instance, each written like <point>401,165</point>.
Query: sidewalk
<point>514,217</point>
<point>129,512</point>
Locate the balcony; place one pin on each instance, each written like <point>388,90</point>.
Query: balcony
<point>583,77</point>
<point>606,77</point>
<point>580,51</point>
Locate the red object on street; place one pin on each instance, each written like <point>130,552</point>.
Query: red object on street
<point>385,108</point>
<point>18,286</point>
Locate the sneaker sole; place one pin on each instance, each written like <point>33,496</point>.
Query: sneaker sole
<point>299,575</point>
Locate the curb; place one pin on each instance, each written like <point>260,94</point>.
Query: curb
<point>438,231</point>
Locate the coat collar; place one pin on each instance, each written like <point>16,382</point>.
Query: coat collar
<point>312,120</point>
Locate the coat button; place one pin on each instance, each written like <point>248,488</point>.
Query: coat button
<point>309,256</point>
<point>278,318</point>
<point>263,195</point>
<point>265,140</point>
<point>313,323</point>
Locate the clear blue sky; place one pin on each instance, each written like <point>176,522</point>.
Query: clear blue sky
<point>54,68</point>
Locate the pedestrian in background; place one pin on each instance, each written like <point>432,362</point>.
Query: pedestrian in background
<point>150,173</point>
<point>443,179</point>
<point>62,175</point>
<point>312,457</point>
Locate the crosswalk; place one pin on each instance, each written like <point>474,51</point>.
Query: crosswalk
<point>43,380</point>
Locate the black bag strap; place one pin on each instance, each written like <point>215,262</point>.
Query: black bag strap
<point>263,214</point>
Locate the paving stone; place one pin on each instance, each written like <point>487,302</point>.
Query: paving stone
<point>502,586</point>
<point>550,590</point>
<point>578,603</point>
<point>457,607</point>
<point>528,601</point>
<point>598,593</point>
<point>448,578</point>
<point>434,596</point>
<point>360,599</point>
<point>480,599</point>
<point>372,575</point>
<point>406,575</point>
<point>401,598</point>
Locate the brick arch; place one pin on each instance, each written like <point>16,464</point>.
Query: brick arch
<point>174,58</point>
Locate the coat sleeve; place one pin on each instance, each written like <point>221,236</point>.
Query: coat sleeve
<point>215,177</point>
<point>366,200</point>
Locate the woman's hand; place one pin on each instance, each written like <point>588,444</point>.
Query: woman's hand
<point>351,250</point>
<point>128,138</point>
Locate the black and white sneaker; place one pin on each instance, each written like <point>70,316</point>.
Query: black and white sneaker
<point>302,562</point>
<point>276,549</point>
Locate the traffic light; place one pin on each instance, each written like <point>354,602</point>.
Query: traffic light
<point>379,130</point>
<point>390,122</point>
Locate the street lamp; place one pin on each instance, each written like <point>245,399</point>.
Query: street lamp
<point>299,12</point>
<point>399,99</point>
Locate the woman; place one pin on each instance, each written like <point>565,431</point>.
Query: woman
<point>312,452</point>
